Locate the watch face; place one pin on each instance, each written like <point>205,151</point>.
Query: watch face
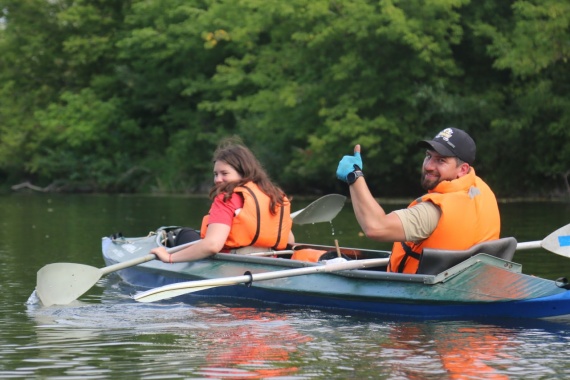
<point>353,176</point>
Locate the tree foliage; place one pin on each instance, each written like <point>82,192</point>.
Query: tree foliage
<point>133,95</point>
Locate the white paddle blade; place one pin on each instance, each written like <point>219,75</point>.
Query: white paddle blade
<point>62,283</point>
<point>559,241</point>
<point>323,209</point>
<point>152,295</point>
<point>180,288</point>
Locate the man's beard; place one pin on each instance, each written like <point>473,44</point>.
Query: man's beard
<point>429,184</point>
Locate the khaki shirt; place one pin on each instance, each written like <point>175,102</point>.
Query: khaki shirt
<point>419,221</point>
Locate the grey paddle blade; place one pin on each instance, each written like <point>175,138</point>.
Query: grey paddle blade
<point>62,283</point>
<point>323,209</point>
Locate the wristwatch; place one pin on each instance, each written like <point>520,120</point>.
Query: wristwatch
<point>353,176</point>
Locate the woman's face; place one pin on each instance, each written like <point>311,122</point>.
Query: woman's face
<point>224,172</point>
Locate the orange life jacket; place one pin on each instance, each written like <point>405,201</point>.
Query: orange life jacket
<point>469,215</point>
<point>308,254</point>
<point>254,225</point>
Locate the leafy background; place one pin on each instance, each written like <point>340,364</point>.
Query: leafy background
<point>133,96</point>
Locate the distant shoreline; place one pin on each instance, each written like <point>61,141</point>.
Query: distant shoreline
<point>32,191</point>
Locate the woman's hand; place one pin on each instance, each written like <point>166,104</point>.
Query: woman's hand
<point>161,254</point>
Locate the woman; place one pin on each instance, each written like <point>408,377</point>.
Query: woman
<point>247,209</point>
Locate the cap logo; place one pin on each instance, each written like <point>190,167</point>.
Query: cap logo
<point>445,135</point>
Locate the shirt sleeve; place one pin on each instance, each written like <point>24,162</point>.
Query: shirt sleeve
<point>224,212</point>
<point>419,221</point>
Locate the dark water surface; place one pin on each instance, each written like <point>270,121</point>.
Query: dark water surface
<point>106,335</point>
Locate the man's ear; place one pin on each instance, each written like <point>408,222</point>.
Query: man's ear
<point>464,169</point>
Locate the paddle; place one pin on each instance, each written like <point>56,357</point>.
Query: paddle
<point>557,242</point>
<point>174,290</point>
<point>323,209</point>
<point>61,283</point>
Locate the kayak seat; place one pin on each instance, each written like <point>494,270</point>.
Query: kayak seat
<point>435,261</point>
<point>179,236</point>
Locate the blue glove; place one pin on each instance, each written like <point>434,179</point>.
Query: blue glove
<point>347,165</point>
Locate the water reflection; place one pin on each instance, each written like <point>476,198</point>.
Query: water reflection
<point>460,351</point>
<point>108,335</point>
<point>246,342</point>
<point>473,350</point>
<point>112,335</point>
<point>205,339</point>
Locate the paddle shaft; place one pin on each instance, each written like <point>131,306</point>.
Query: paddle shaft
<point>557,242</point>
<point>529,245</point>
<point>126,264</point>
<point>142,259</point>
<point>169,291</point>
<point>327,268</point>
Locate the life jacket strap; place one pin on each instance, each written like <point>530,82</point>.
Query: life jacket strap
<point>281,215</point>
<point>258,216</point>
<point>409,254</point>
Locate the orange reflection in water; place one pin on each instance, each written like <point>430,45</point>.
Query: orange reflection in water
<point>256,345</point>
<point>467,352</point>
<point>464,352</point>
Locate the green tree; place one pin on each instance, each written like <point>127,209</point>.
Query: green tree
<point>318,77</point>
<point>133,95</point>
<point>29,78</point>
<point>59,55</point>
<point>165,70</point>
<point>532,133</point>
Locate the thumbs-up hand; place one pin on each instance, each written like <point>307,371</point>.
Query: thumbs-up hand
<point>348,164</point>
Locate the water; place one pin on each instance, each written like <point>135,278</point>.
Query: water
<point>106,335</point>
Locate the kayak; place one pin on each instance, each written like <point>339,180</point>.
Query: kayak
<point>481,282</point>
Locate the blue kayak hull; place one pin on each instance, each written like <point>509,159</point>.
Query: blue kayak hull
<point>480,287</point>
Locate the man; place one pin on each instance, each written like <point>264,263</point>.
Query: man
<point>458,211</point>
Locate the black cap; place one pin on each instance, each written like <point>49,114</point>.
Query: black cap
<point>452,142</point>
